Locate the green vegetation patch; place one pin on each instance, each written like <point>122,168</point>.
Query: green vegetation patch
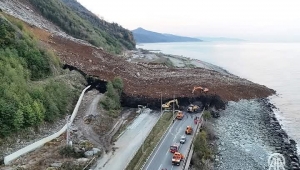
<point>206,115</point>
<point>72,23</point>
<point>112,99</point>
<point>203,152</point>
<point>150,142</point>
<point>23,101</point>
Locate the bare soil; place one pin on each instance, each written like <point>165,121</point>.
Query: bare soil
<point>140,79</point>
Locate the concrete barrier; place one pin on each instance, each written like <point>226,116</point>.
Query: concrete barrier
<point>157,143</point>
<point>188,159</point>
<point>132,156</point>
<point>35,145</point>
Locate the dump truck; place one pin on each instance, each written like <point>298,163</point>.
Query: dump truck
<point>188,130</point>
<point>177,158</point>
<point>174,148</point>
<point>192,108</point>
<point>179,114</point>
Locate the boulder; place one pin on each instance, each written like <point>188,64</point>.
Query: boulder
<point>89,154</point>
<point>96,151</point>
<point>52,168</point>
<point>82,160</point>
<point>56,164</point>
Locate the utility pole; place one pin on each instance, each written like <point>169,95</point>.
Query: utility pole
<point>160,103</point>
<point>173,105</point>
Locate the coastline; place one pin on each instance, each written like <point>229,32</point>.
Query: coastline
<point>248,133</point>
<point>269,137</point>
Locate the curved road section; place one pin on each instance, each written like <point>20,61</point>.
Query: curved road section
<point>161,158</point>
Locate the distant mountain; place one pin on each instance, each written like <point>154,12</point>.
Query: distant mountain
<point>220,39</point>
<point>144,36</point>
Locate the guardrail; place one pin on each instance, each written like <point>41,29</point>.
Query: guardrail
<point>41,142</point>
<point>191,146</point>
<point>157,144</point>
<point>132,156</point>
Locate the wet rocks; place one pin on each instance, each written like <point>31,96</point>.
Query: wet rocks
<point>249,133</point>
<point>240,143</point>
<point>279,139</point>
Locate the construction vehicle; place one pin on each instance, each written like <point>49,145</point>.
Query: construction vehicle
<point>168,104</point>
<point>179,114</point>
<point>174,148</point>
<point>140,109</point>
<point>177,158</point>
<point>188,130</point>
<point>201,89</point>
<point>192,108</point>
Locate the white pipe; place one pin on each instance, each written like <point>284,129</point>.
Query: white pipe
<point>41,142</point>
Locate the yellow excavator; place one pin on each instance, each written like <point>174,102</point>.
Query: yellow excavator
<point>168,104</point>
<point>201,89</point>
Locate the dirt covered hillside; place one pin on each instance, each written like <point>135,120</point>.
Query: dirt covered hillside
<point>142,80</point>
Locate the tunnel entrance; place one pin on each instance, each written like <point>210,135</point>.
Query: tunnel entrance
<point>94,81</point>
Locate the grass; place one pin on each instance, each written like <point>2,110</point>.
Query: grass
<point>150,142</point>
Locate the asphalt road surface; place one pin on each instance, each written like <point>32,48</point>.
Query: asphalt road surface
<point>161,158</point>
<point>129,142</point>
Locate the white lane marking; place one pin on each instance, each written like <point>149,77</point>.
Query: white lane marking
<point>179,131</point>
<point>167,152</point>
<point>160,167</point>
<point>159,146</point>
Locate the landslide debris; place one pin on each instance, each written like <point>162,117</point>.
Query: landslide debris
<point>141,80</point>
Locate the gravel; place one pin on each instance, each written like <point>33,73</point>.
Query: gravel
<point>248,133</point>
<point>241,132</point>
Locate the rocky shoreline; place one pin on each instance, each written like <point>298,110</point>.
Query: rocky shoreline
<point>248,133</point>
<point>279,139</point>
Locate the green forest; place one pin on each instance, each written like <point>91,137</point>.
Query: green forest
<point>26,99</point>
<point>72,23</point>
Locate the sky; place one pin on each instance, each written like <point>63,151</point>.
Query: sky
<point>257,20</point>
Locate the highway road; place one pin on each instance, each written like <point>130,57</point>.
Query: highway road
<point>128,142</point>
<point>161,158</point>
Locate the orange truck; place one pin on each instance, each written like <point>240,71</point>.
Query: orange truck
<point>174,148</point>
<point>179,114</point>
<point>189,130</point>
<point>177,158</point>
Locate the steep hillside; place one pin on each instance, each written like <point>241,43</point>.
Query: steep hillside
<point>75,23</point>
<point>123,35</point>
<point>144,36</point>
<point>28,96</point>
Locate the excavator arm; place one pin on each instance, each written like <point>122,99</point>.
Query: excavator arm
<point>200,88</point>
<point>167,105</point>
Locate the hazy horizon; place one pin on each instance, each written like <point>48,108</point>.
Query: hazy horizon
<point>255,20</point>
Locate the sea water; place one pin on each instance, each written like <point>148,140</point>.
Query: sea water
<point>275,65</point>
